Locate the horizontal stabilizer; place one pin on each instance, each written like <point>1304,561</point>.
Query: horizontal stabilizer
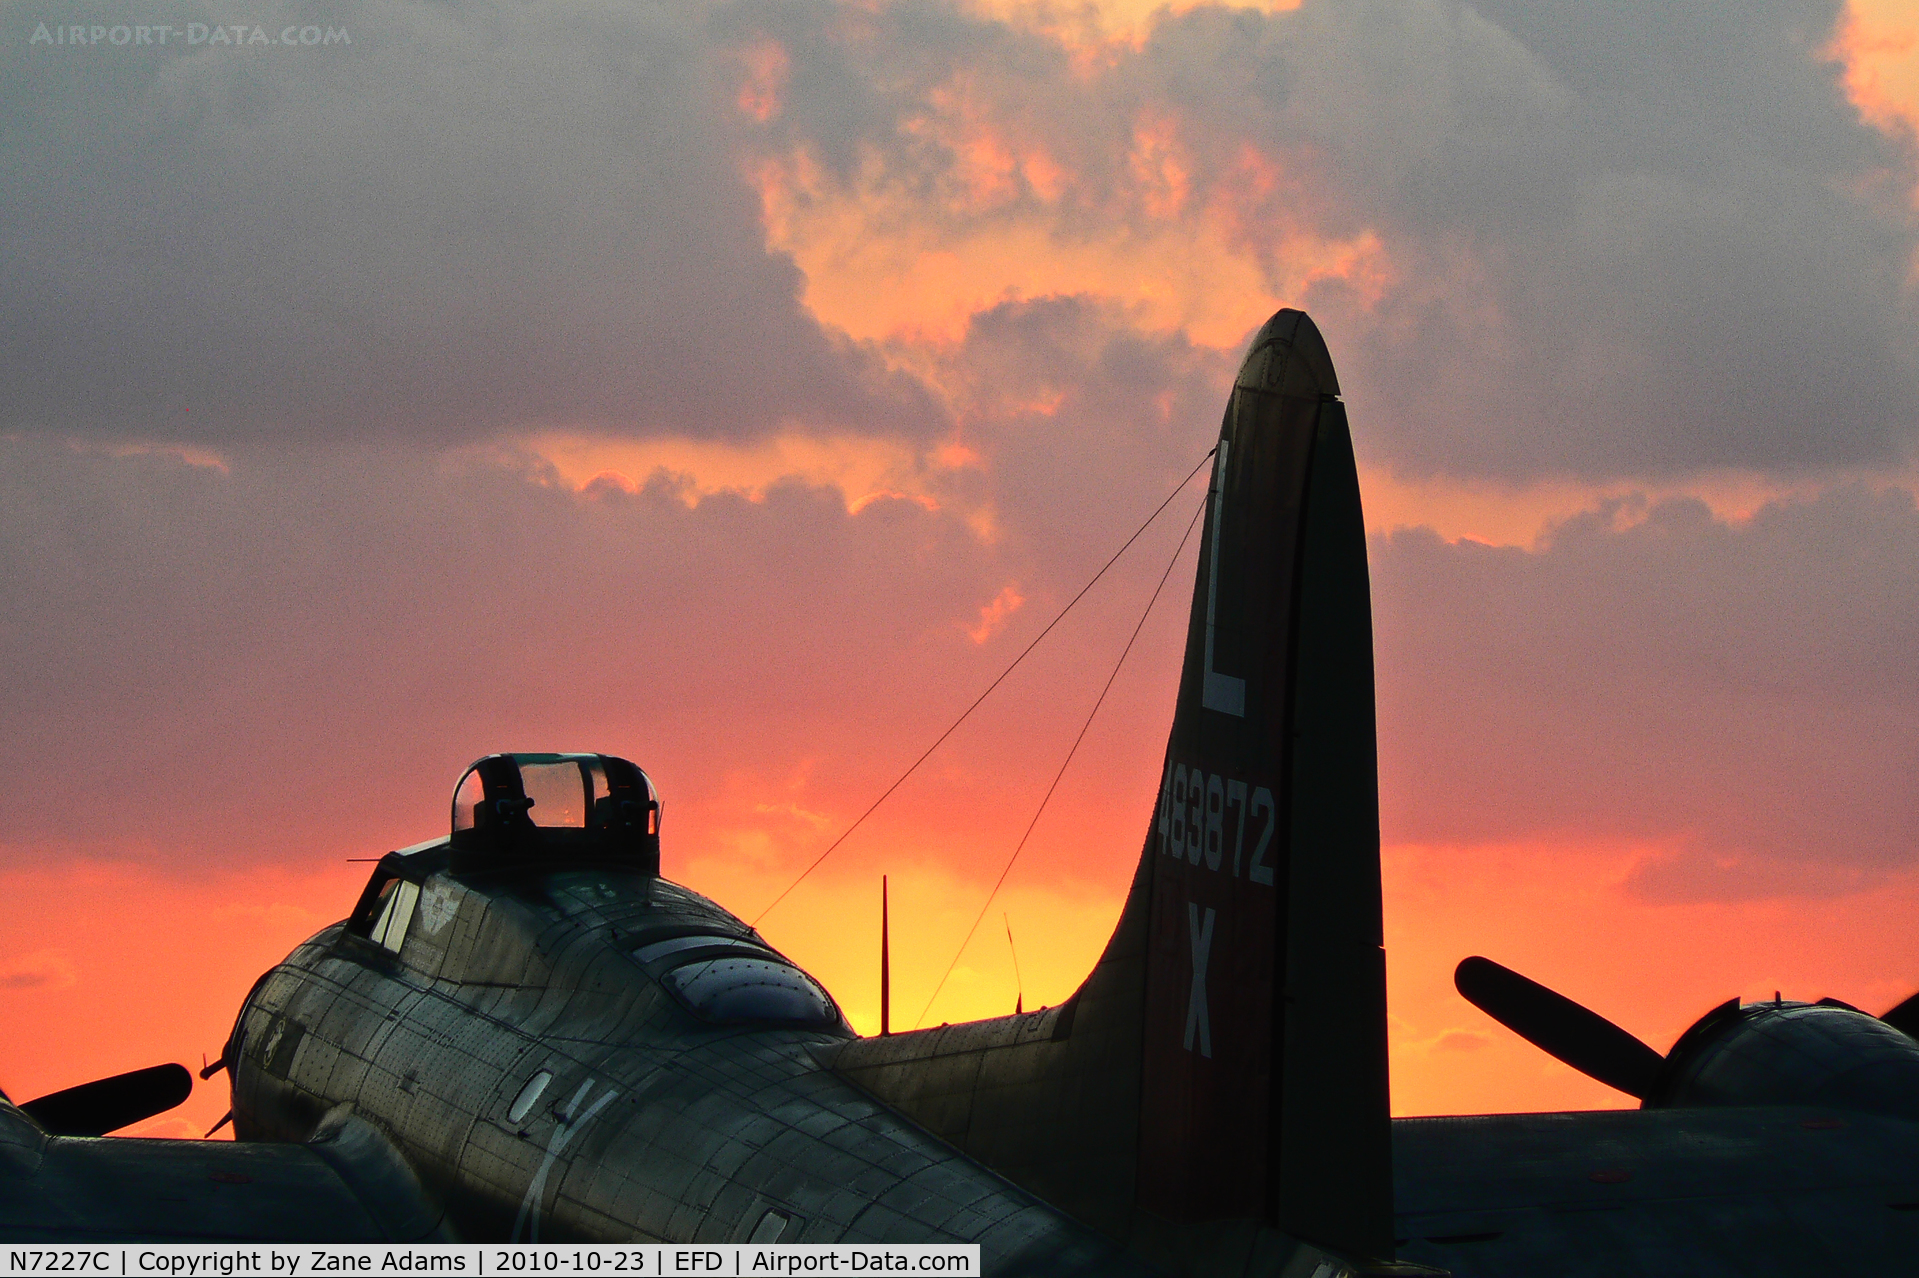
<point>1905,1017</point>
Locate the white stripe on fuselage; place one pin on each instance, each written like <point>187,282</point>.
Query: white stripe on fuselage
<point>564,1130</point>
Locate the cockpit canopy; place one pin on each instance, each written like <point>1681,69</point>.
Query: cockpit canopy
<point>546,809</point>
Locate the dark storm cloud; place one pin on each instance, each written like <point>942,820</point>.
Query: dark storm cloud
<point>467,220</point>
<point>1743,694</point>
<point>1048,388</point>
<point>1621,239</point>
<point>1662,241</point>
<point>300,654</point>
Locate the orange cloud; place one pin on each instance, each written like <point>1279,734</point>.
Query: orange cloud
<point>988,197</point>
<point>862,468</point>
<point>1499,513</point>
<point>990,168</point>
<point>1159,165</point>
<point>763,86</point>
<point>1461,1041</point>
<point>1878,42</point>
<point>993,616</point>
<point>1097,34</point>
<point>43,969</point>
<point>193,455</point>
<point>885,261</point>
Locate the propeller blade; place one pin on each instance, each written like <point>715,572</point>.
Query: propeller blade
<point>1905,1017</point>
<point>1559,1027</point>
<point>108,1104</point>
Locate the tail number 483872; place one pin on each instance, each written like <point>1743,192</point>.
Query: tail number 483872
<point>1200,813</point>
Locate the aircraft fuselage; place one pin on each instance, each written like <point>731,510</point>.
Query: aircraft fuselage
<point>520,1048</point>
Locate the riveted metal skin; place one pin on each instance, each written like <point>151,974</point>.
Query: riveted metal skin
<point>654,1125</point>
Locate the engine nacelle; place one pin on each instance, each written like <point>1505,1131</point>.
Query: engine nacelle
<point>1786,1053</point>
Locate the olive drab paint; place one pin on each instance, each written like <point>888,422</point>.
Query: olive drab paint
<point>1263,1087</point>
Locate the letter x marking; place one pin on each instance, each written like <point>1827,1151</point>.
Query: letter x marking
<point>1201,935</point>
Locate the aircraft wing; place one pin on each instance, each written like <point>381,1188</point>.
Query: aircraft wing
<point>344,1185</point>
<point>1694,1192</point>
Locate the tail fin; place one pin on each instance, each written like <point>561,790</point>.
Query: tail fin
<point>1264,1055</point>
<point>1225,1062</point>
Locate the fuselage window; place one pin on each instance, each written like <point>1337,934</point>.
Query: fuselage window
<point>751,989</point>
<point>529,1096</point>
<point>397,900</point>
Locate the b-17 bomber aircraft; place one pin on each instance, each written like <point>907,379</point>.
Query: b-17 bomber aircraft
<point>522,1031</point>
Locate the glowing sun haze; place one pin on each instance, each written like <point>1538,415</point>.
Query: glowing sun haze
<point>738,387</point>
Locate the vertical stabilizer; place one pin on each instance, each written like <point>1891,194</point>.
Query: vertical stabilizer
<point>1222,1072</point>
<point>1263,1088</point>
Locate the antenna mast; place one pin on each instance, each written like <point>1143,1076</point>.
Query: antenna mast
<point>886,968</point>
<point>1019,982</point>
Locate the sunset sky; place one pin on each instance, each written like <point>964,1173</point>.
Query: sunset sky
<point>739,387</point>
